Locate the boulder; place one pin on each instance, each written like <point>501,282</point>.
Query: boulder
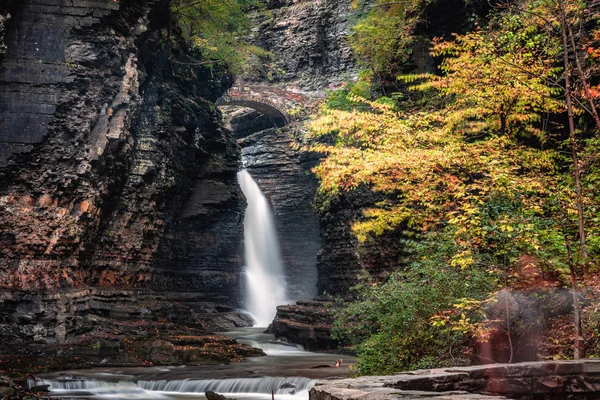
<point>8,392</point>
<point>215,396</point>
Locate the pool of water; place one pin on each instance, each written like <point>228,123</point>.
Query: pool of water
<point>288,371</point>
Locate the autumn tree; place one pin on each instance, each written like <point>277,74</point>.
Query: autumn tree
<point>218,29</point>
<point>467,212</point>
<point>569,21</point>
<point>468,196</point>
<point>499,78</point>
<point>383,34</point>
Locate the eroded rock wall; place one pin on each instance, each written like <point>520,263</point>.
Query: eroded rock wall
<point>114,171</point>
<point>308,40</point>
<point>283,174</point>
<point>56,85</point>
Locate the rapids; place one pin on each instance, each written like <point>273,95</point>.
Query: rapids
<point>286,370</point>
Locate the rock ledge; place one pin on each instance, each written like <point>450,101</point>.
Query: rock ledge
<point>549,379</point>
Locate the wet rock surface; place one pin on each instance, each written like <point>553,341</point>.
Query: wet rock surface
<point>215,396</point>
<point>533,380</point>
<point>308,323</point>
<point>18,389</point>
<point>103,327</point>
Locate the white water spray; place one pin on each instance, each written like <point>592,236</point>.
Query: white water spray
<point>265,287</point>
<point>293,388</point>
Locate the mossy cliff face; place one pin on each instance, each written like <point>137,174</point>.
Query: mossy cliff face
<point>115,174</point>
<point>309,41</point>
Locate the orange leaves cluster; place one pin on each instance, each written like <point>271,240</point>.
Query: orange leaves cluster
<point>593,91</point>
<point>593,52</point>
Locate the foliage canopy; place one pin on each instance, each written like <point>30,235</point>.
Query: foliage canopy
<point>477,203</point>
<point>218,28</point>
<point>383,34</point>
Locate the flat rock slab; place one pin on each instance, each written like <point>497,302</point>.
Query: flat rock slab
<point>330,391</point>
<point>475,382</point>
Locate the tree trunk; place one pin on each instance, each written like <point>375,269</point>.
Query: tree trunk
<point>508,330</point>
<point>503,124</point>
<point>577,350</point>
<point>573,142</point>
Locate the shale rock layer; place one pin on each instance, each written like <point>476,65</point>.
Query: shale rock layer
<point>115,173</point>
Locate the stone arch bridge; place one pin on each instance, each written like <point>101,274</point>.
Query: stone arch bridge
<point>282,105</point>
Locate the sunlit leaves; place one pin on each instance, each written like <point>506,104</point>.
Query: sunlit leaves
<point>430,173</point>
<point>381,38</point>
<point>495,79</point>
<point>218,28</point>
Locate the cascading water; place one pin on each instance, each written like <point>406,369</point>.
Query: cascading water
<point>264,341</point>
<point>265,384</point>
<point>143,388</point>
<point>286,373</point>
<point>265,283</point>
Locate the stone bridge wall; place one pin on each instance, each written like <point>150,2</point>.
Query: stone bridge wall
<point>283,105</point>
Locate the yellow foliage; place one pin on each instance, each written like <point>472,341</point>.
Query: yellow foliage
<point>431,175</point>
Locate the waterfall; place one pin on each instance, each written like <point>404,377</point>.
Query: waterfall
<point>275,348</point>
<point>265,283</point>
<point>266,384</point>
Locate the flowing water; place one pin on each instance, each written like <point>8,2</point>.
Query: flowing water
<point>265,280</point>
<point>287,371</point>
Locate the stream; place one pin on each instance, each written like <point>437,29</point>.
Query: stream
<point>287,370</point>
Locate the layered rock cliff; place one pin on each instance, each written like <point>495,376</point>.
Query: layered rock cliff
<point>116,175</point>
<point>119,201</point>
<point>309,41</point>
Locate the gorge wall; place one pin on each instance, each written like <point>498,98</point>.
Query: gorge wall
<point>308,39</point>
<point>118,195</point>
<point>119,203</point>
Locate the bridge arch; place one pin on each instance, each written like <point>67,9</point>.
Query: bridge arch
<point>279,117</point>
<point>273,101</point>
